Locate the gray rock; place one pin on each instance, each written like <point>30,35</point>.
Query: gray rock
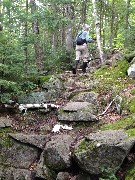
<point>75,106</point>
<point>10,173</point>
<point>131,71</point>
<point>42,171</point>
<point>53,83</point>
<point>5,122</point>
<point>63,176</point>
<point>103,150</point>
<point>38,97</point>
<point>32,139</point>
<point>78,111</point>
<point>17,154</point>
<point>6,173</point>
<point>22,174</point>
<point>57,152</point>
<point>90,97</point>
<point>82,176</point>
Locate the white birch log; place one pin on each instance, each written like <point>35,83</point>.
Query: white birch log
<point>25,107</point>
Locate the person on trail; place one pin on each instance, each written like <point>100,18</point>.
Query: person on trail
<point>81,49</point>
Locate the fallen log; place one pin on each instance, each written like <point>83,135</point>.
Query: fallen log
<point>24,107</point>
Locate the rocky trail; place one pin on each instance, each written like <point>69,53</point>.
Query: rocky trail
<point>59,132</point>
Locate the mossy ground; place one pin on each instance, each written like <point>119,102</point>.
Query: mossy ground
<point>113,78</point>
<point>130,175</point>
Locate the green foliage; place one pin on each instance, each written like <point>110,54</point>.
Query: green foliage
<point>129,38</point>
<point>27,86</point>
<point>9,86</point>
<point>108,174</point>
<point>56,61</point>
<point>43,79</point>
<point>3,68</point>
<point>12,89</point>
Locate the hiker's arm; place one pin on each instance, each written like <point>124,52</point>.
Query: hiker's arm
<point>88,39</point>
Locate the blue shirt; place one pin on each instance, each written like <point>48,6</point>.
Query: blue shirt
<point>85,35</point>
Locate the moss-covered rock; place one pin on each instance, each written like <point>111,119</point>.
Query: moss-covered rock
<point>104,149</point>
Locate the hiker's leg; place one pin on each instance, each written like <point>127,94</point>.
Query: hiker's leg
<point>75,64</point>
<point>85,55</point>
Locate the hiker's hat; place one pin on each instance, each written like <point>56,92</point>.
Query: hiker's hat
<point>86,26</point>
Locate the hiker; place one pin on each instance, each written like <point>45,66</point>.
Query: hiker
<point>82,49</point>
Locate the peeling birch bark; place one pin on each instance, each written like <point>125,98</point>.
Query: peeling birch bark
<point>98,31</point>
<point>24,107</point>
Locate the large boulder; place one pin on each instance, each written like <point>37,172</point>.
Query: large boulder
<point>17,154</point>
<point>53,83</point>
<point>51,90</point>
<point>31,139</point>
<point>57,152</point>
<point>78,111</point>
<point>15,174</point>
<point>90,97</point>
<point>42,171</point>
<point>103,150</point>
<point>37,97</point>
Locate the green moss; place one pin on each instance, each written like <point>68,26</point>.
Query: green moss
<point>131,132</point>
<point>133,91</point>
<point>132,105</point>
<point>130,175</point>
<point>85,145</point>
<point>117,70</point>
<point>6,141</point>
<point>114,77</point>
<point>124,123</point>
<point>43,79</point>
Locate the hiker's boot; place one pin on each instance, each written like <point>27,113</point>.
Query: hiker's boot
<point>84,66</point>
<point>75,66</point>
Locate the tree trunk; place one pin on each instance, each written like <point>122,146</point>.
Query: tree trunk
<point>112,24</point>
<point>25,39</point>
<point>38,50</point>
<point>97,25</point>
<point>69,44</point>
<point>84,11</point>
<point>127,14</point>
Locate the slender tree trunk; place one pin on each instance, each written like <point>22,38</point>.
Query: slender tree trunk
<point>1,19</point>
<point>112,24</point>
<point>69,44</point>
<point>104,24</point>
<point>97,25</point>
<point>1,28</point>
<point>127,14</point>
<point>84,11</point>
<point>25,39</point>
<point>38,50</point>
<point>53,42</point>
